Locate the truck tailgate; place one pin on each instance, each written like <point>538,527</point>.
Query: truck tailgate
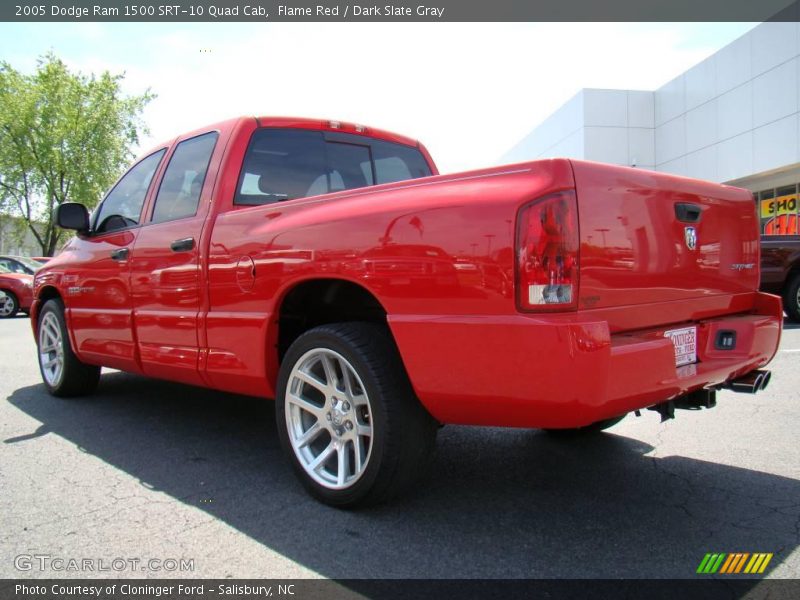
<point>656,239</point>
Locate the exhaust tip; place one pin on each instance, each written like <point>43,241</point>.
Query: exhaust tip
<point>766,379</point>
<point>759,381</point>
<point>752,382</point>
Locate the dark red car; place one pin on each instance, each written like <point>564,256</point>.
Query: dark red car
<point>16,292</point>
<point>780,270</point>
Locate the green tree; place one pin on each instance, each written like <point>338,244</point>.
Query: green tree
<point>63,137</point>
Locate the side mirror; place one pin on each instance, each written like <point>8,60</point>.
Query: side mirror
<point>72,215</point>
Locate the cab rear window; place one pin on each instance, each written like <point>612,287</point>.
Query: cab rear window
<point>284,164</point>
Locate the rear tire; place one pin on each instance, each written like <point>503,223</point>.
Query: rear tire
<point>348,419</point>
<point>9,305</point>
<point>593,428</point>
<point>63,374</point>
<point>791,298</point>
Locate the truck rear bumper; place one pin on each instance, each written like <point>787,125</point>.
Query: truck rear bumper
<point>566,370</point>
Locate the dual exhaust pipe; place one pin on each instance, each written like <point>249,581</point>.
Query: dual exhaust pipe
<point>754,381</point>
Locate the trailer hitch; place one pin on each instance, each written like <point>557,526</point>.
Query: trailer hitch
<point>703,398</point>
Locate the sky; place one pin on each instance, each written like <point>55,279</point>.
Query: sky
<point>468,91</point>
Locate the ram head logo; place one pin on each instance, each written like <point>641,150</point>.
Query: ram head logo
<point>690,235</point>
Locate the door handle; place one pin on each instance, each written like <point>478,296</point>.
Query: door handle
<point>121,254</point>
<point>686,212</point>
<point>183,245</point>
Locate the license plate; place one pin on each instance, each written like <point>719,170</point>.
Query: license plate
<point>685,342</point>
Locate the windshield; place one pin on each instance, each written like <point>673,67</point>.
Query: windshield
<point>19,264</point>
<point>29,262</point>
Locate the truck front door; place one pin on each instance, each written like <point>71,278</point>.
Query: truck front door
<point>97,279</point>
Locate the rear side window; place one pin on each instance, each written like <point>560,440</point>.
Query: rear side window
<point>179,192</point>
<point>394,162</point>
<point>284,164</point>
<point>122,206</point>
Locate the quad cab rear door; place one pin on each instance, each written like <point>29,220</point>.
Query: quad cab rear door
<point>166,263</point>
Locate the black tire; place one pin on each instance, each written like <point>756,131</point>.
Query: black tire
<point>10,304</point>
<point>595,427</point>
<point>791,298</point>
<point>76,377</point>
<point>402,434</point>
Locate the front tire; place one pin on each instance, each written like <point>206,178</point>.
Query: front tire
<point>9,305</point>
<point>791,298</point>
<point>348,419</point>
<point>63,374</point>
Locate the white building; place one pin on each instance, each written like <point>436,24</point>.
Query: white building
<point>733,118</point>
<point>16,238</point>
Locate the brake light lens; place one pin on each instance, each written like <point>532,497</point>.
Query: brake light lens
<point>547,253</point>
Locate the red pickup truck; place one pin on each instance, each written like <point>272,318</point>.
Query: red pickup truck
<point>328,266</point>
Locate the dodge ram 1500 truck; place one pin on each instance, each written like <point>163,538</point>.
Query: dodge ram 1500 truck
<point>328,266</point>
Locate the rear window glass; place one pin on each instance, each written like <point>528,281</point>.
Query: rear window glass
<point>394,162</point>
<point>284,164</point>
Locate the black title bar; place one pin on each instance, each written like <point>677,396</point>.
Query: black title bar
<point>398,10</point>
<point>699,588</point>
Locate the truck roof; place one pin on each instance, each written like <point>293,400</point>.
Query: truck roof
<point>297,123</point>
<point>333,125</point>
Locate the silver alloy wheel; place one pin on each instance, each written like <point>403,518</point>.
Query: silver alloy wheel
<point>51,349</point>
<point>6,305</point>
<point>328,418</point>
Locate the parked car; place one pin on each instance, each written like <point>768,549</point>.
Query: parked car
<point>328,266</point>
<point>20,264</point>
<point>16,292</point>
<point>780,270</point>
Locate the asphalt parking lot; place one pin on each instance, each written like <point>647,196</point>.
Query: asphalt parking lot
<point>151,470</point>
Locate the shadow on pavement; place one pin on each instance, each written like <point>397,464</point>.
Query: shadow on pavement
<point>498,504</point>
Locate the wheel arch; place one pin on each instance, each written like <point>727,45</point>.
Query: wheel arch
<point>48,292</point>
<point>318,301</point>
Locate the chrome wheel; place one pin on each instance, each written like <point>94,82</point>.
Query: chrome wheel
<point>7,305</point>
<point>328,418</point>
<point>51,349</point>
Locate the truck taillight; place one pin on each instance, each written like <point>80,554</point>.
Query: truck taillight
<point>547,253</point>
